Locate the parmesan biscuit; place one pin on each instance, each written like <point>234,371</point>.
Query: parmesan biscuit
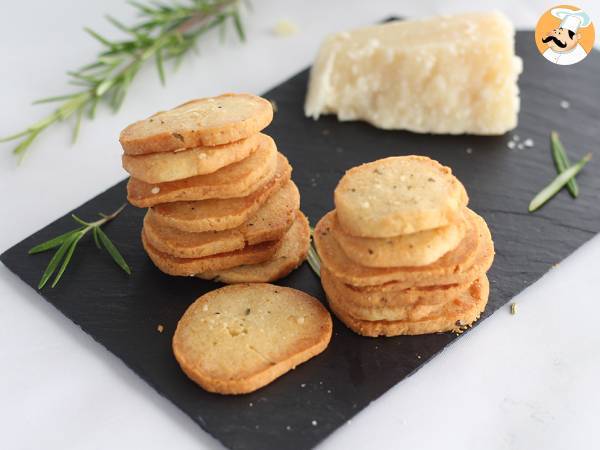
<point>169,166</point>
<point>236,180</point>
<point>415,249</point>
<point>269,223</point>
<point>221,214</point>
<point>473,255</point>
<point>460,312</point>
<point>239,338</point>
<point>293,251</point>
<point>202,122</point>
<point>398,195</point>
<point>172,265</point>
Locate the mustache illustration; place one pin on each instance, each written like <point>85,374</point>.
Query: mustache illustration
<point>556,41</point>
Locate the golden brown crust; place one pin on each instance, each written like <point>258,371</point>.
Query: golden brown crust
<point>457,313</point>
<point>269,223</point>
<point>170,166</point>
<point>221,214</point>
<point>398,195</point>
<point>473,255</point>
<point>291,254</point>
<point>239,338</point>
<point>235,180</point>
<point>202,122</point>
<point>172,265</point>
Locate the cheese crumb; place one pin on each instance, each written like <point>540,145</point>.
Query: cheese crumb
<point>160,328</point>
<point>285,28</point>
<point>155,190</point>
<point>528,143</point>
<point>513,308</point>
<point>564,104</point>
<point>511,144</point>
<point>314,423</point>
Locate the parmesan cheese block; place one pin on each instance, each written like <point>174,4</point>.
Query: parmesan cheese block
<point>451,74</point>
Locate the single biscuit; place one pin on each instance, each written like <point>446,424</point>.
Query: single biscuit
<point>202,122</point>
<point>269,223</point>
<point>172,265</point>
<point>236,180</point>
<point>292,253</point>
<point>398,195</point>
<point>170,166</point>
<point>473,255</point>
<point>460,312</point>
<point>239,338</point>
<point>221,214</point>
<point>415,249</point>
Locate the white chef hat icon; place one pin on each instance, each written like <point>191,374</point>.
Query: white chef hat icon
<point>571,20</point>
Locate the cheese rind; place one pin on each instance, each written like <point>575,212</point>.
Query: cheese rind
<point>454,75</point>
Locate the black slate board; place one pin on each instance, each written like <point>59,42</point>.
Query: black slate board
<point>122,313</point>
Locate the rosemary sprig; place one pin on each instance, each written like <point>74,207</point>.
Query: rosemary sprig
<point>314,261</point>
<point>553,188</point>
<point>562,163</point>
<point>67,243</point>
<point>165,31</point>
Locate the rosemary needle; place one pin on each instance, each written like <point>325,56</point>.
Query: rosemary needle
<point>168,30</point>
<point>561,160</point>
<point>314,261</point>
<point>67,243</point>
<point>563,178</point>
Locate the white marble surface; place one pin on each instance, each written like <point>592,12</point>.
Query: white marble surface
<point>516,382</point>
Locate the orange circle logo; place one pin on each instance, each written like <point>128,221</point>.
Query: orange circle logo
<point>564,35</point>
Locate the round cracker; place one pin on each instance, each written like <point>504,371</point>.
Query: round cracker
<point>398,195</point>
<point>473,255</point>
<point>236,180</point>
<point>221,214</point>
<point>207,121</point>
<point>170,166</point>
<point>415,249</point>
<point>239,338</point>
<point>172,265</point>
<point>292,253</point>
<point>269,223</point>
<point>458,313</point>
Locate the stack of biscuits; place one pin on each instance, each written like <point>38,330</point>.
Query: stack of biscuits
<point>402,253</point>
<point>221,202</point>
